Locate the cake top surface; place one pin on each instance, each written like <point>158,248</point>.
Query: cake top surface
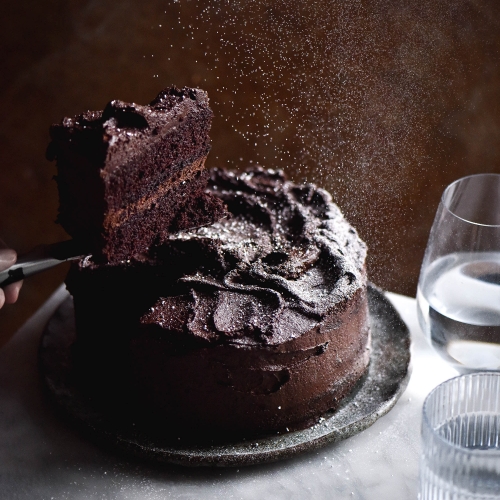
<point>123,125</point>
<point>283,262</point>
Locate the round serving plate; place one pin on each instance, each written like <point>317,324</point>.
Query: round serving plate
<point>373,397</point>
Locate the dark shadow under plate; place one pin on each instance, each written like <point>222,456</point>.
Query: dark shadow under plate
<point>374,396</point>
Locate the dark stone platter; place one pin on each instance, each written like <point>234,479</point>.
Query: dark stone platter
<point>374,396</point>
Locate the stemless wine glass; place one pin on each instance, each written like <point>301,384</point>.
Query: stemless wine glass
<point>458,296</point>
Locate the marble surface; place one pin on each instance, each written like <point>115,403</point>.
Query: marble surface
<point>42,457</point>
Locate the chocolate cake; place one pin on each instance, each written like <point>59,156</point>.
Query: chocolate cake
<point>130,174</point>
<point>257,323</point>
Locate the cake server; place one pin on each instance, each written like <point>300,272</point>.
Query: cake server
<point>41,258</point>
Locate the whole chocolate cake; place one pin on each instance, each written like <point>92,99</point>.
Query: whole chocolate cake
<point>255,324</point>
<point>129,175</point>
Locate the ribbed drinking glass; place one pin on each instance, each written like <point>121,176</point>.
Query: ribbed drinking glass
<point>461,439</point>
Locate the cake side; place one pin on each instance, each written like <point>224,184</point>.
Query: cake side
<point>231,391</point>
<point>126,174</point>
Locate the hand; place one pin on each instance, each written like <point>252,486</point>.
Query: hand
<point>10,293</point>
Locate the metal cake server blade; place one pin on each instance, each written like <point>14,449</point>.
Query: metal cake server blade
<point>41,258</point>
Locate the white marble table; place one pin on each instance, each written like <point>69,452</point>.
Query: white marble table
<point>43,458</point>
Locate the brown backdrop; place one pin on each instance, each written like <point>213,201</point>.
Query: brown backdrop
<point>381,102</point>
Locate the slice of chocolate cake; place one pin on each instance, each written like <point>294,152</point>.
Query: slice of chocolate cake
<point>131,174</point>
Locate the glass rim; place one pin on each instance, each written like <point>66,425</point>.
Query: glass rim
<point>439,437</point>
<point>490,174</point>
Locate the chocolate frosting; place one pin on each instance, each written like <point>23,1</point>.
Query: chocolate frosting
<point>283,262</point>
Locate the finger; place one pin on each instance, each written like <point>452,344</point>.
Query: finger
<point>11,292</point>
<point>8,257</point>
<point>2,298</point>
